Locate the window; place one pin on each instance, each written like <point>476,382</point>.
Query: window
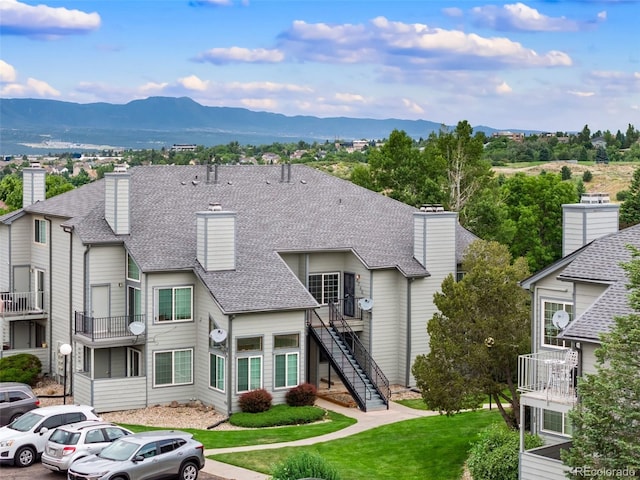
<point>134,357</point>
<point>94,436</point>
<point>40,231</point>
<point>134,301</point>
<point>174,367</point>
<point>286,363</point>
<point>549,336</point>
<point>249,343</point>
<point>216,371</point>
<point>556,422</point>
<point>249,373</point>
<point>325,287</point>
<point>174,304</point>
<point>133,272</point>
<point>114,433</point>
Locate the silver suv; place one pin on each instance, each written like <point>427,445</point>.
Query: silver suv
<point>15,399</point>
<point>148,455</point>
<point>77,440</point>
<point>23,440</point>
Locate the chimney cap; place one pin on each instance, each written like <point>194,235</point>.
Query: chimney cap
<point>120,168</point>
<point>429,207</point>
<point>215,207</point>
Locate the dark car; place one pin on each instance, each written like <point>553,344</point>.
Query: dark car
<point>149,455</point>
<point>15,399</point>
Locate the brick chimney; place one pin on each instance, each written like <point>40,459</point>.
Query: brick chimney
<point>33,185</point>
<point>116,196</point>
<point>216,238</point>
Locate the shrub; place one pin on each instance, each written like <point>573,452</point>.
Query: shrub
<point>565,172</point>
<point>622,195</point>
<point>303,395</point>
<point>277,416</point>
<point>304,465</point>
<point>23,368</point>
<point>255,401</point>
<point>587,176</point>
<point>495,455</point>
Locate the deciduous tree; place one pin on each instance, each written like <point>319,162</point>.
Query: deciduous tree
<point>475,338</point>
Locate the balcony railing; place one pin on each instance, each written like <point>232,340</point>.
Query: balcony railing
<point>20,303</point>
<point>99,328</point>
<point>547,374</point>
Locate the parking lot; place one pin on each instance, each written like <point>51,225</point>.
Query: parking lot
<point>37,471</point>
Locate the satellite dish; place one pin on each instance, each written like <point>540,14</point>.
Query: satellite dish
<point>560,319</point>
<point>218,335</point>
<point>136,328</point>
<point>365,304</point>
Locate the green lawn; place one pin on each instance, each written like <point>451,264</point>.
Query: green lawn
<point>261,436</point>
<point>429,448</point>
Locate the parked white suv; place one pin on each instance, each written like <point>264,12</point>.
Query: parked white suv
<point>24,439</point>
<point>70,442</point>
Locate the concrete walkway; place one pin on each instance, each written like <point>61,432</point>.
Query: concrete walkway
<point>365,421</point>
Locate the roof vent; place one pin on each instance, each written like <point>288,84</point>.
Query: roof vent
<point>436,207</point>
<point>594,198</point>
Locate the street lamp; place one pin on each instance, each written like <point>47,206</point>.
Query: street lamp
<point>65,351</point>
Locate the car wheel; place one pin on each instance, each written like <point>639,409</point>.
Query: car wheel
<point>189,471</point>
<point>14,417</point>
<point>25,457</point>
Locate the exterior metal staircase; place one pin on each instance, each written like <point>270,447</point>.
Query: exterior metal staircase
<point>359,373</point>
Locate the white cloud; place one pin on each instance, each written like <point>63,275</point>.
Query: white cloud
<point>453,11</point>
<point>411,106</point>
<point>240,55</point>
<point>581,94</point>
<point>602,15</point>
<point>33,88</point>
<point>520,17</point>
<point>413,46</point>
<point>259,103</point>
<point>7,72</point>
<point>194,83</point>
<point>42,21</point>
<point>152,88</point>
<point>503,88</point>
<point>350,98</point>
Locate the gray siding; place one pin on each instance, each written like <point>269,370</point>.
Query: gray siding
<point>548,290</point>
<point>536,467</point>
<point>21,241</point>
<point>388,291</point>
<point>106,394</point>
<point>4,256</point>
<point>588,358</point>
<point>586,294</point>
<point>216,234</point>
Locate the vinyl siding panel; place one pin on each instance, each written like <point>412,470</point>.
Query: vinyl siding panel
<point>535,467</point>
<point>205,306</point>
<point>388,291</point>
<point>267,325</point>
<point>216,235</point>
<point>588,358</point>
<point>21,241</point>
<point>108,267</point>
<point>5,231</point>
<point>586,294</point>
<point>548,290</point>
<point>167,336</point>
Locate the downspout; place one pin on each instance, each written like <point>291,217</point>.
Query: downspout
<point>230,364</point>
<point>50,306</point>
<point>408,349</point>
<point>69,230</point>
<point>85,288</point>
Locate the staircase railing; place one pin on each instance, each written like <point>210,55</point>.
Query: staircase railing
<point>353,380</point>
<point>361,354</point>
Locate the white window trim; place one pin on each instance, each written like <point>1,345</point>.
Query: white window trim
<point>286,365</point>
<point>156,315</point>
<point>543,302</point>
<point>37,239</point>
<point>224,372</point>
<point>249,357</point>
<point>173,368</point>
<point>565,418</point>
<point>133,355</point>
<point>127,268</point>
<point>323,275</point>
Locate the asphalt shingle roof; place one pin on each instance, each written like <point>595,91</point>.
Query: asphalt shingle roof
<point>600,261</point>
<point>313,211</point>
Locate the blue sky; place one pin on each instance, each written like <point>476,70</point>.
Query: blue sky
<point>545,65</point>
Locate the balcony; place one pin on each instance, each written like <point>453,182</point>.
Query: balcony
<point>547,377</point>
<point>21,304</point>
<point>108,331</point>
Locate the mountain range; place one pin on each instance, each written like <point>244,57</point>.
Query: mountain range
<point>36,124</point>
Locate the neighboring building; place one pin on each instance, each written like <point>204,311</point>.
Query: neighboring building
<point>182,282</point>
<point>574,300</point>
<point>515,136</point>
<point>181,147</point>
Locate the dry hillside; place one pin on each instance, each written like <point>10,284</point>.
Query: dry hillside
<point>611,178</point>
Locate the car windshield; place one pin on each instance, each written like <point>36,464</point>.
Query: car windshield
<point>64,437</point>
<point>26,422</point>
<point>119,450</point>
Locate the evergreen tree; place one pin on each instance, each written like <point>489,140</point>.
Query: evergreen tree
<point>630,208</point>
